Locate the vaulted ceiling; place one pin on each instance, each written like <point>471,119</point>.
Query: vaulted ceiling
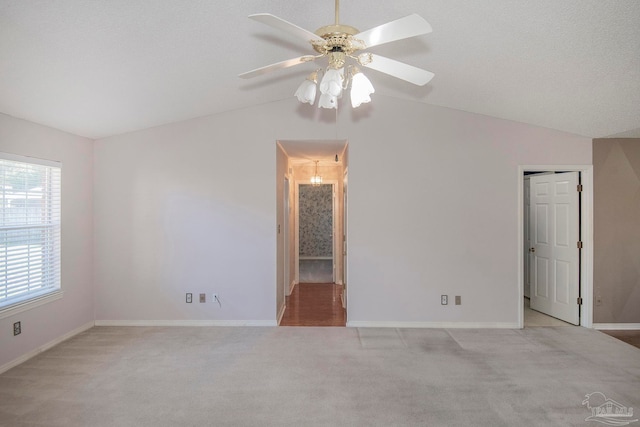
<point>104,67</point>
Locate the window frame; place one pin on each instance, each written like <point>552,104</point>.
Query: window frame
<point>37,298</point>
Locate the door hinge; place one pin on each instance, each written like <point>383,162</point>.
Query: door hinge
<point>579,244</point>
<point>579,301</point>
<point>579,188</point>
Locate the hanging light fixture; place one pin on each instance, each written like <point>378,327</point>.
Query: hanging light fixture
<point>341,45</point>
<point>337,47</point>
<point>334,82</point>
<point>316,179</point>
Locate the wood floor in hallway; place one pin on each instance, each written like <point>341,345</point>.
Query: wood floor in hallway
<point>314,304</point>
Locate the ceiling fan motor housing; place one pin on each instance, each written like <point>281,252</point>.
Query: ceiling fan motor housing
<point>336,29</point>
<point>338,43</point>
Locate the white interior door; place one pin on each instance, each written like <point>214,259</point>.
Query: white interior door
<point>554,253</point>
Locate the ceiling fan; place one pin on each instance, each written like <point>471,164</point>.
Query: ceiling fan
<point>340,43</point>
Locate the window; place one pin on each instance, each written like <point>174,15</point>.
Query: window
<point>29,229</point>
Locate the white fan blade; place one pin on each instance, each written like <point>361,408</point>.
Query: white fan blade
<point>287,27</point>
<point>403,71</point>
<point>277,66</point>
<point>403,28</point>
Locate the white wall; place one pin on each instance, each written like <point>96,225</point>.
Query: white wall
<point>188,207</point>
<point>44,324</point>
<point>191,207</point>
<point>433,210</point>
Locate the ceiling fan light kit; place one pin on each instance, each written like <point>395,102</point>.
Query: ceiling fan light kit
<point>307,90</point>
<point>361,88</point>
<point>338,43</point>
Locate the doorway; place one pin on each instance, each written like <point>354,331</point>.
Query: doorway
<point>316,233</point>
<point>315,257</point>
<point>556,246</point>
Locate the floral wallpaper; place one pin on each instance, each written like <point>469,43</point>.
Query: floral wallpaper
<point>316,220</point>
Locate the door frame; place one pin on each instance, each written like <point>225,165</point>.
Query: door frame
<point>286,193</point>
<point>334,226</point>
<point>586,236</point>
<point>343,236</point>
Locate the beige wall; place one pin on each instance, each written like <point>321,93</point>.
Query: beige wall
<point>44,324</point>
<point>616,165</point>
<point>175,212</point>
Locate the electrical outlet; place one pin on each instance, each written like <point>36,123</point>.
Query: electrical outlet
<point>17,328</point>
<point>444,299</point>
<point>189,299</point>
<point>203,297</point>
<point>458,300</point>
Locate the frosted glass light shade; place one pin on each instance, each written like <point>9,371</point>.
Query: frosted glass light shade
<point>361,89</point>
<point>331,83</point>
<point>331,88</point>
<point>307,90</point>
<point>328,101</point>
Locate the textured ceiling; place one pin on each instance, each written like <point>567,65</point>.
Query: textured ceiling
<point>99,68</point>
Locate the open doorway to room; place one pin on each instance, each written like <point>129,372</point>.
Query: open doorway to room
<point>316,233</point>
<point>556,249</point>
<point>311,263</point>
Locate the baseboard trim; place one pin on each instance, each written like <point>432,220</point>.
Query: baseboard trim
<point>616,326</point>
<point>438,325</point>
<point>282,310</point>
<point>186,323</point>
<point>292,287</point>
<point>45,347</point>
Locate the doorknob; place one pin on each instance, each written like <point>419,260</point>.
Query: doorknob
<point>532,249</point>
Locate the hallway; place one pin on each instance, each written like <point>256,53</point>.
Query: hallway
<point>314,304</point>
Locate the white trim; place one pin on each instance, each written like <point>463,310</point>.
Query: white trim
<point>586,270</point>
<point>34,160</point>
<point>282,310</point>
<point>32,302</point>
<point>617,326</point>
<point>45,347</point>
<point>186,323</point>
<point>285,235</point>
<point>292,286</point>
<point>438,325</point>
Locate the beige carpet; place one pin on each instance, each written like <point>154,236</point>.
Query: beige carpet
<point>242,376</point>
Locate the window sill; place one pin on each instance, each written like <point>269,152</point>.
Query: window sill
<point>32,302</point>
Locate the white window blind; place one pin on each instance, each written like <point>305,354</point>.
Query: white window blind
<point>29,228</point>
